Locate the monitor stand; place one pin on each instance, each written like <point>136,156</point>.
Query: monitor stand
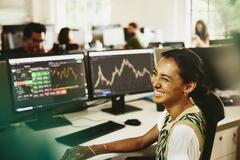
<point>47,120</point>
<point>119,106</point>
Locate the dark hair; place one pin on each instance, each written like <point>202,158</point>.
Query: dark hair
<point>191,69</point>
<point>33,27</point>
<point>203,34</point>
<point>133,24</point>
<point>63,36</point>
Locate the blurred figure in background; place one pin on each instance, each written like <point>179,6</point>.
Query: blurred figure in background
<point>136,40</point>
<point>33,38</point>
<point>64,42</point>
<point>201,36</point>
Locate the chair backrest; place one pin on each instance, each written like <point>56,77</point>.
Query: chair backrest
<point>213,110</point>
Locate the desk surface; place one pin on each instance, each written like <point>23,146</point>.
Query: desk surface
<point>93,116</point>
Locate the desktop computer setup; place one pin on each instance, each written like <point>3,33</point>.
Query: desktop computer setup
<point>114,74</point>
<point>34,87</point>
<point>120,72</point>
<point>39,84</point>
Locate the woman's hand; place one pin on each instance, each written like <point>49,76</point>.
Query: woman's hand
<point>78,153</point>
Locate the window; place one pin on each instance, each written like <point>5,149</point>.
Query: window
<point>82,14</point>
<point>14,12</point>
<point>211,12</point>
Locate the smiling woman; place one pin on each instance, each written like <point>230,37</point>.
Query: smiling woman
<point>177,80</point>
<point>180,132</point>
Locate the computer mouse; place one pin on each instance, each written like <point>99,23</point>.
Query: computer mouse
<point>132,122</point>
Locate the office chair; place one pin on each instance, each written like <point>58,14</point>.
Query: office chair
<point>213,110</point>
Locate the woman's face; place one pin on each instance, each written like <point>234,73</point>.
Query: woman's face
<point>167,84</point>
<point>199,27</point>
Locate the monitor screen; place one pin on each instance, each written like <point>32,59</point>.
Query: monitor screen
<point>121,72</point>
<point>221,66</point>
<point>113,36</point>
<point>46,81</point>
<point>6,114</point>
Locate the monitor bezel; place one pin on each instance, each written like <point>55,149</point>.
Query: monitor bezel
<point>213,80</point>
<point>50,106</point>
<point>89,71</point>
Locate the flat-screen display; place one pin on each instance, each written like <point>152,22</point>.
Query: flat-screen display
<point>121,72</point>
<point>46,81</point>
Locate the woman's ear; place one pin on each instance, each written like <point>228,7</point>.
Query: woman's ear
<point>189,87</point>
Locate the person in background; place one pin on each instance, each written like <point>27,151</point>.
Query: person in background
<point>201,37</point>
<point>33,38</point>
<point>64,42</point>
<point>178,81</point>
<point>136,40</point>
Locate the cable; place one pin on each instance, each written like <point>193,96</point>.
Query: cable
<point>99,102</point>
<point>92,120</point>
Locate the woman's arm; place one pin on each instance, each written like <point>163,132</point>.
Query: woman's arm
<point>128,145</point>
<point>197,42</point>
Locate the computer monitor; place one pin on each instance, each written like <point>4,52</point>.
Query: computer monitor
<point>6,114</point>
<point>113,36</point>
<point>46,82</point>
<point>221,66</point>
<point>126,34</point>
<point>174,45</point>
<point>118,73</point>
<point>221,42</point>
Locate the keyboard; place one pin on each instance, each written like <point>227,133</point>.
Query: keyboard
<point>85,135</point>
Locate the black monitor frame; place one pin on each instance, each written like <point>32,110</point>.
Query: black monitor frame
<point>221,42</point>
<point>118,101</point>
<point>221,66</point>
<point>47,111</point>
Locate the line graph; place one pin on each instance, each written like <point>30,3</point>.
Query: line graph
<point>64,73</point>
<point>118,73</point>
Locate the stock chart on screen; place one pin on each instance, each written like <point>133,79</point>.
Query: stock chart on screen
<point>44,80</point>
<point>121,72</point>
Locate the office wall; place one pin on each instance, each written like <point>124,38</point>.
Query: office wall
<point>14,12</point>
<point>171,16</point>
<point>43,11</point>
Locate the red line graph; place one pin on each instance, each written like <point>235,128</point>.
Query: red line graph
<point>118,72</point>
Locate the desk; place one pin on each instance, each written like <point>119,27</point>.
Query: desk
<point>93,116</point>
